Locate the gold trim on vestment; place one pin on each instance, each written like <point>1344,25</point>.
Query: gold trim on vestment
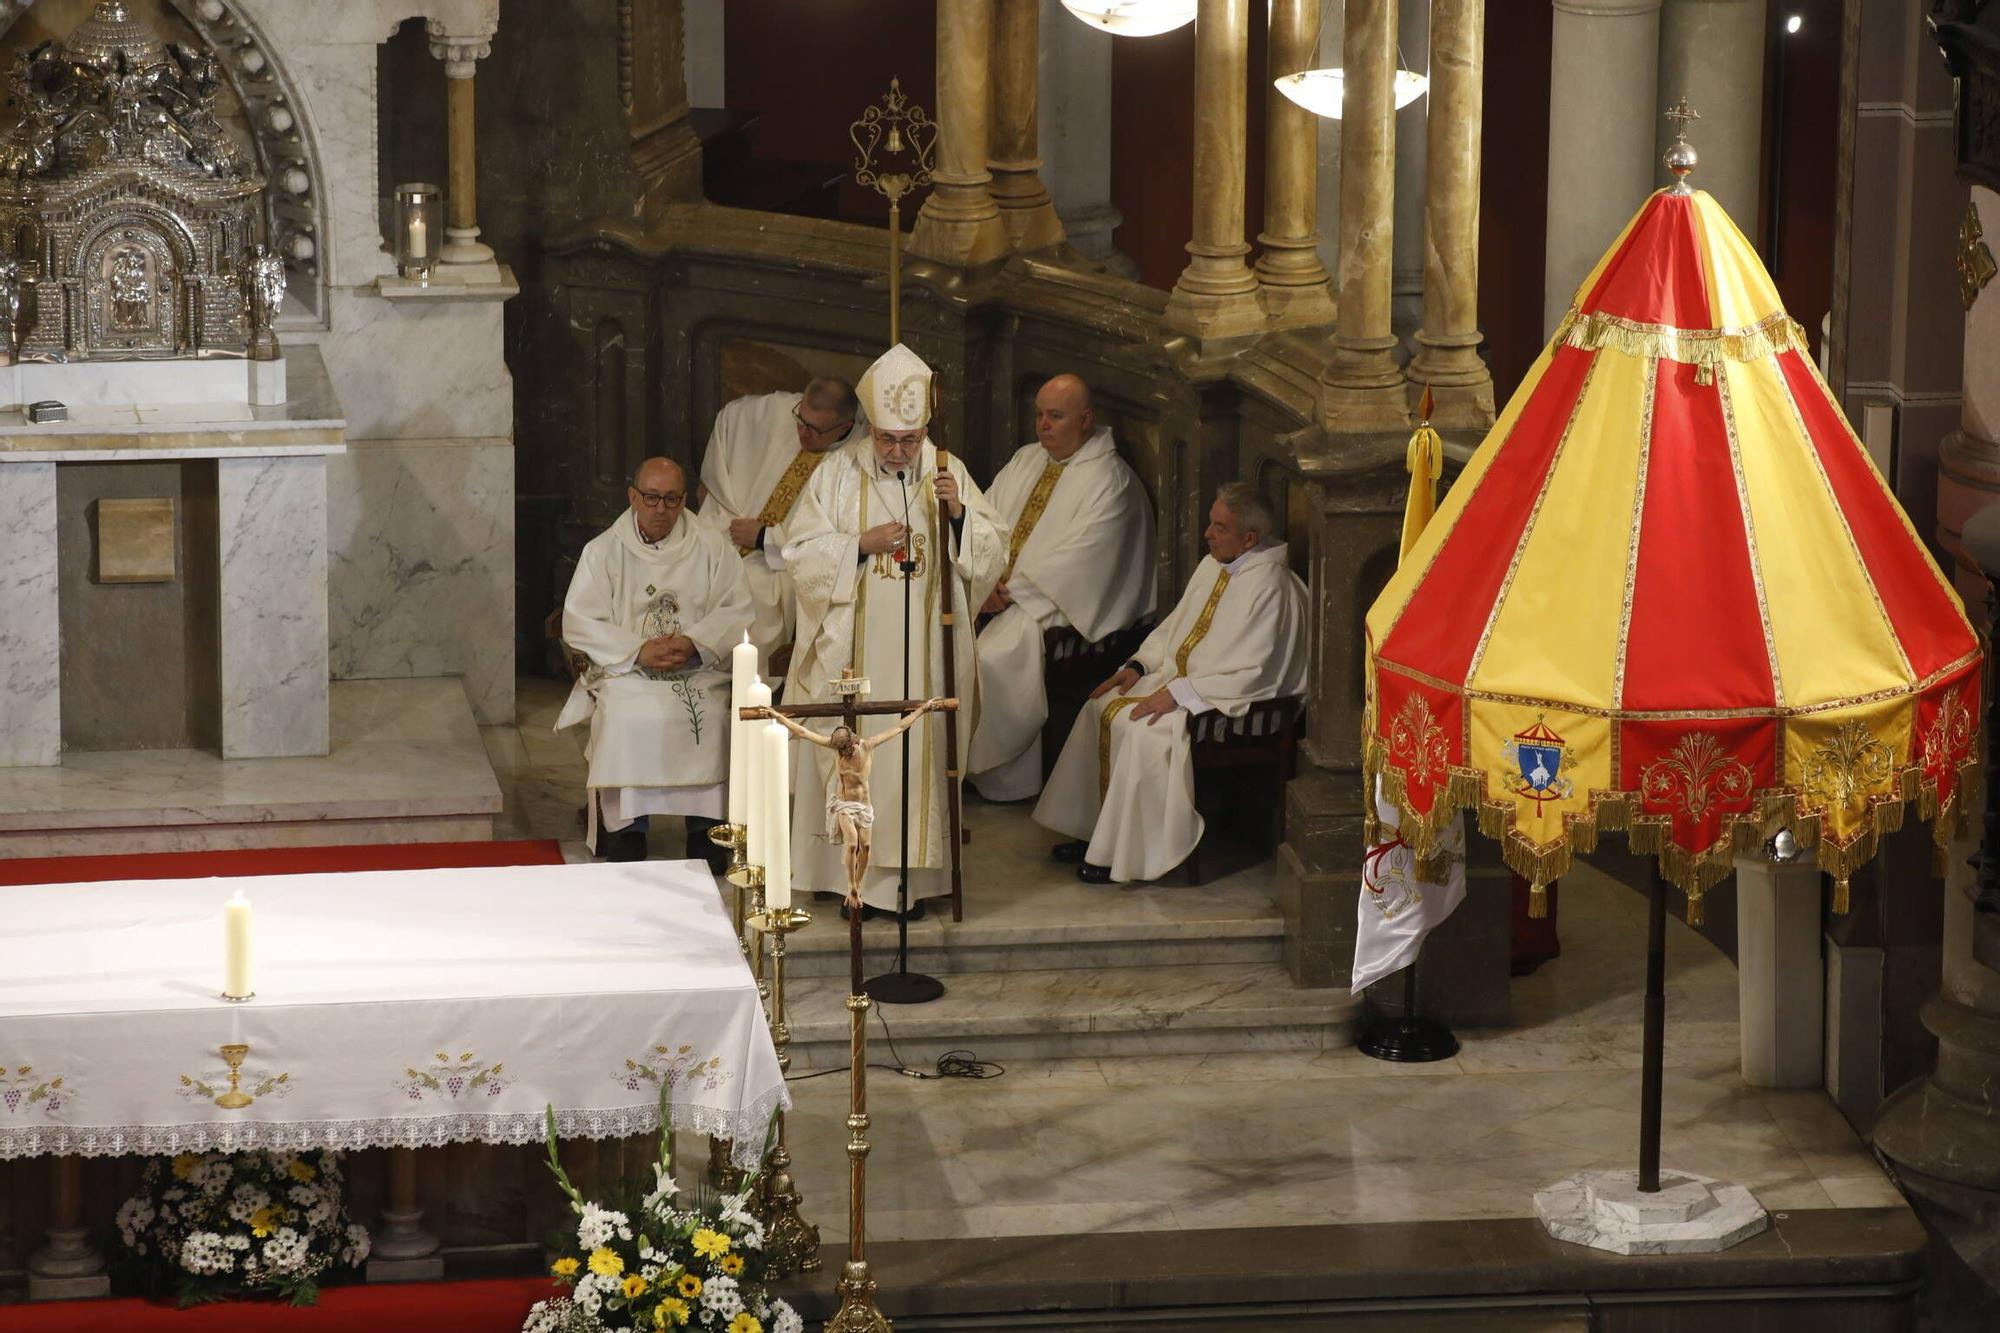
<point>1201,624</point>
<point>1031,514</point>
<point>778,504</point>
<point>1116,706</point>
<point>1104,721</point>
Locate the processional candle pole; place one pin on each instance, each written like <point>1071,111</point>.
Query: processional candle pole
<point>892,156</point>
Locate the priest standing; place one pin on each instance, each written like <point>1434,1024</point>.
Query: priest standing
<point>876,498</point>
<point>1080,555</point>
<point>761,453</point>
<point>1123,789</point>
<point>655,604</point>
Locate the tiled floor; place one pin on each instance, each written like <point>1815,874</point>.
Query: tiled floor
<point>1142,1142</point>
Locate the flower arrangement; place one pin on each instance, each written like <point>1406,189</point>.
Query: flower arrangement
<point>672,1261</point>
<point>216,1225</point>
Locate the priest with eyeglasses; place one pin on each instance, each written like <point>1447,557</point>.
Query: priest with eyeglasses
<point>868,513</point>
<point>762,451</point>
<point>655,604</point>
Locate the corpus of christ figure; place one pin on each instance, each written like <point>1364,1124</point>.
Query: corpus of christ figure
<point>850,815</point>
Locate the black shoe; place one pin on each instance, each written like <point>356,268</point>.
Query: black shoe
<point>1093,874</point>
<point>916,912</point>
<point>1070,853</point>
<point>625,845</point>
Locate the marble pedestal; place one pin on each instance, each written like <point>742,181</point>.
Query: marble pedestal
<point>1781,980</point>
<point>1688,1214</point>
<point>263,541</point>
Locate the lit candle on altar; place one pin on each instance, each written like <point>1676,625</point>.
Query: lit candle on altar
<point>774,802</point>
<point>742,675</point>
<point>236,947</point>
<point>757,838</point>
<point>420,239</point>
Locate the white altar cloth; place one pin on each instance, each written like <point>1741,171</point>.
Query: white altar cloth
<point>393,1009</point>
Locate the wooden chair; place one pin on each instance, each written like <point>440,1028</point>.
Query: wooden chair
<point>1265,739</point>
<point>1073,666</point>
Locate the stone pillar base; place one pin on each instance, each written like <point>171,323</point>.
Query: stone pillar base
<point>1461,386</point>
<point>67,1268</point>
<point>1947,1126</point>
<point>959,225</point>
<point>1371,400</point>
<point>1319,876</point>
<point>1026,210</point>
<point>1209,315</point>
<point>1293,285</point>
<point>669,163</point>
<point>462,246</point>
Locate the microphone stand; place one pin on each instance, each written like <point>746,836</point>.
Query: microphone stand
<point>904,986</point>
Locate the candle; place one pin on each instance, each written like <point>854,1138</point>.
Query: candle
<point>420,241</point>
<point>776,804</point>
<point>236,947</point>
<point>742,675</point>
<point>758,837</point>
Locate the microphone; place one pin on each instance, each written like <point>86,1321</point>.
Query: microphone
<point>907,558</point>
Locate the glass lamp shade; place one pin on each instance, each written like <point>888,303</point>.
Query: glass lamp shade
<point>1133,18</point>
<point>1319,90</point>
<point>419,229</point>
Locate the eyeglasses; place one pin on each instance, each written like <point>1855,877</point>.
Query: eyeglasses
<point>908,439</point>
<point>837,428</point>
<point>655,500</point>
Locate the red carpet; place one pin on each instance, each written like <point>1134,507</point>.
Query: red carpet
<point>496,1305</point>
<point>278,861</point>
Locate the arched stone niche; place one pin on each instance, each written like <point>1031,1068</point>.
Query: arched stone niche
<point>267,119</point>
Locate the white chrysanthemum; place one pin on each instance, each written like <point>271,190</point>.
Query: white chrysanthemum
<point>542,1318</point>
<point>357,1247</point>
<point>784,1319</point>
<point>590,1291</point>
<point>204,1253</point>
<point>245,1202</point>
<point>285,1250</point>
<point>305,1196</point>
<point>599,1225</point>
<point>236,1241</point>
<point>175,1194</point>
<point>721,1296</point>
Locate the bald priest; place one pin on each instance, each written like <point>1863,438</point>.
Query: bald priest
<point>1080,555</point>
<point>872,504</point>
<point>655,603</point>
<point>1123,789</point>
<point>761,453</point>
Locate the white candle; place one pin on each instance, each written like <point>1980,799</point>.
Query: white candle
<point>743,751</point>
<point>236,947</point>
<point>774,779</point>
<point>742,675</point>
<point>758,838</point>
<point>420,243</point>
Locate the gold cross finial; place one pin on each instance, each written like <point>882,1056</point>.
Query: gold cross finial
<point>1680,113</point>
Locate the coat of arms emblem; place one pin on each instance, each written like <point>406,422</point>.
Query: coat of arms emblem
<point>1537,754</point>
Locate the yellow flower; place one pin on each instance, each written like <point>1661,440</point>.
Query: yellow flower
<point>565,1267</point>
<point>745,1323</point>
<point>605,1262</point>
<point>302,1172</point>
<point>185,1164</point>
<point>709,1244</point>
<point>732,1264</point>
<point>690,1285</point>
<point>634,1286</point>
<point>672,1313</point>
<point>263,1221</point>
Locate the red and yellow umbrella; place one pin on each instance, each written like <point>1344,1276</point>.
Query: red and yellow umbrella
<point>1670,593</point>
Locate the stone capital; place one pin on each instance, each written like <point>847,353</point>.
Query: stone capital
<point>459,52</point>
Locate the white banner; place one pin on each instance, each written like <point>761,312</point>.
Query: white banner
<point>1396,909</point>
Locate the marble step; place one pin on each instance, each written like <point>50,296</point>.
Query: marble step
<point>1154,1010</point>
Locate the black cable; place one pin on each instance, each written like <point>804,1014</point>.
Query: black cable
<point>956,1063</point>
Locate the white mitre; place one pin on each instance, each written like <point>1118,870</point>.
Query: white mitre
<point>896,390</point>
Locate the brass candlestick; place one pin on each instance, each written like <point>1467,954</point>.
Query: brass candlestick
<point>791,1243</point>
<point>235,1099</point>
<point>749,882</point>
<point>858,1312</point>
<point>900,131</point>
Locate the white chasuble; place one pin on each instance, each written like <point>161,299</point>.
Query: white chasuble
<point>851,615</point>
<point>1081,554</point>
<point>659,738</point>
<point>754,468</point>
<point>1237,636</point>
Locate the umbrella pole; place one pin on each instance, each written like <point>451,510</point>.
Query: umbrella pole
<point>1654,1056</point>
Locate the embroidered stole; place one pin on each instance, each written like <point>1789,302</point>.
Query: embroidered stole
<point>1193,640</point>
<point>778,505</point>
<point>1031,514</point>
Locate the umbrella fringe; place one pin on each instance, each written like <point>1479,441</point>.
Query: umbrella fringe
<point>1702,348</point>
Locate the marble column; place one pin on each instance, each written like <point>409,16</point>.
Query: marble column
<point>1297,290</point>
<point>652,61</point>
<point>1216,294</point>
<point>1014,149</point>
<point>404,1250</point>
<point>1447,356</point>
<point>1073,114</point>
<point>959,223</point>
<point>1712,52</point>
<point>271,513</point>
<point>1363,386</point>
<point>68,1266</point>
<point>462,246</point>
<point>30,642</point>
<point>1604,114</point>
<point>1781,981</point>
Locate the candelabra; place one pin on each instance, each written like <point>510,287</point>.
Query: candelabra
<point>791,1243</point>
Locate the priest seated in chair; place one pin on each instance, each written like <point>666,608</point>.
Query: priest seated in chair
<point>1080,556</point>
<point>654,605</point>
<point>1123,790</point>
<point>762,452</point>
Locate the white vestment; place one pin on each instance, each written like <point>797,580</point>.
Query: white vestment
<point>754,468</point>
<point>1238,636</point>
<point>851,615</point>
<point>659,741</point>
<point>1082,549</point>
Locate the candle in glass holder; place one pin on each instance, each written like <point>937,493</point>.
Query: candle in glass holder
<point>773,796</point>
<point>236,947</point>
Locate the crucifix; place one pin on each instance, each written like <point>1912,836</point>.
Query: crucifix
<point>851,815</point>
